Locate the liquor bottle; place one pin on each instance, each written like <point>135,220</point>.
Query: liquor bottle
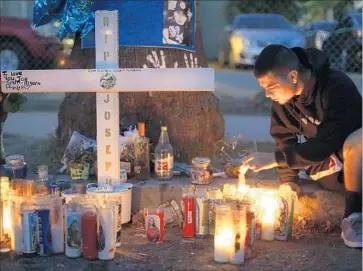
<point>127,162</point>
<point>142,155</point>
<point>164,158</point>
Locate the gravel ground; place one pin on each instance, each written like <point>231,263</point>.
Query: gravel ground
<point>313,252</point>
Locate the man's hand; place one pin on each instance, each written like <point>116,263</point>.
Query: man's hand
<point>258,161</point>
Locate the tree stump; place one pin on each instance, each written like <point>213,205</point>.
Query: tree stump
<point>194,119</point>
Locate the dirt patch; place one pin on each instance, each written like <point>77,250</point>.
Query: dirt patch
<point>317,252</point>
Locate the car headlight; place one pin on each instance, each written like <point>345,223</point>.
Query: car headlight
<point>237,43</point>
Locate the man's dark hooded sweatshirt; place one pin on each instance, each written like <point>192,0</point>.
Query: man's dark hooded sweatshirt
<point>325,114</point>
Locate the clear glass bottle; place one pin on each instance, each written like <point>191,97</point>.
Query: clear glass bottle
<point>127,162</point>
<point>142,155</point>
<point>164,158</point>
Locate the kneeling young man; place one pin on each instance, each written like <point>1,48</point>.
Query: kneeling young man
<point>323,105</point>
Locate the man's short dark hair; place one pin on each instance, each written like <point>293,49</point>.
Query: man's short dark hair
<point>277,59</point>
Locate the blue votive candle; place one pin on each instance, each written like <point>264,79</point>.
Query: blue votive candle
<point>15,167</point>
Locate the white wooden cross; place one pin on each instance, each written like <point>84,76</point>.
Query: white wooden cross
<point>107,80</point>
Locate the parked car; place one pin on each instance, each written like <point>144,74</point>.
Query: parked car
<point>317,32</point>
<point>344,46</point>
<point>22,47</point>
<point>242,42</point>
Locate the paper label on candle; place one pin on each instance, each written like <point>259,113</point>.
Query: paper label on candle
<point>201,216</point>
<point>284,222</point>
<point>152,223</point>
<point>106,233</point>
<point>73,234</point>
<point>30,231</point>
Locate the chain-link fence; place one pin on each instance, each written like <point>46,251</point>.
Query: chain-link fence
<point>22,47</point>
<point>332,26</point>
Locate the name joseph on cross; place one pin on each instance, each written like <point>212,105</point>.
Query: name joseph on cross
<point>107,80</point>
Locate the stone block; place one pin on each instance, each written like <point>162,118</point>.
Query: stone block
<point>315,203</point>
<point>154,192</point>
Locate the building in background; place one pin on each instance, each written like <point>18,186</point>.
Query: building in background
<point>17,8</point>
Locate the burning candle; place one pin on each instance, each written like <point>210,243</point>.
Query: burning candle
<point>242,192</point>
<point>239,221</point>
<point>224,234</point>
<point>269,208</point>
<point>242,175</point>
<point>229,191</point>
<point>5,221</point>
<point>223,242</point>
<point>242,188</point>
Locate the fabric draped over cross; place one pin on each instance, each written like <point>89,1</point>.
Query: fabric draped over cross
<point>74,15</point>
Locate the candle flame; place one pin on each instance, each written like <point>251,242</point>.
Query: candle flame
<point>242,188</point>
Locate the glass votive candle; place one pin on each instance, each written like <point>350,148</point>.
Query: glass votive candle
<point>43,172</point>
<point>15,167</point>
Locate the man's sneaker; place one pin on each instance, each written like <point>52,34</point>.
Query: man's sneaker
<point>352,230</point>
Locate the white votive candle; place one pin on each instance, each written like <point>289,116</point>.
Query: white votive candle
<point>267,231</point>
<point>269,208</point>
<point>18,239</point>
<point>223,243</point>
<point>57,239</point>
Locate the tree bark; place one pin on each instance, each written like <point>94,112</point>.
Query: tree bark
<point>194,119</point>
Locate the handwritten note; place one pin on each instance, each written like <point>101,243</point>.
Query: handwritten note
<point>16,81</point>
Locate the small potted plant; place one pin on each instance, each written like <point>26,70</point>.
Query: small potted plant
<point>79,162</point>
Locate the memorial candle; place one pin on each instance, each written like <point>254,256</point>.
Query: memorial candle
<point>89,232</point>
<point>224,234</point>
<point>269,208</point>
